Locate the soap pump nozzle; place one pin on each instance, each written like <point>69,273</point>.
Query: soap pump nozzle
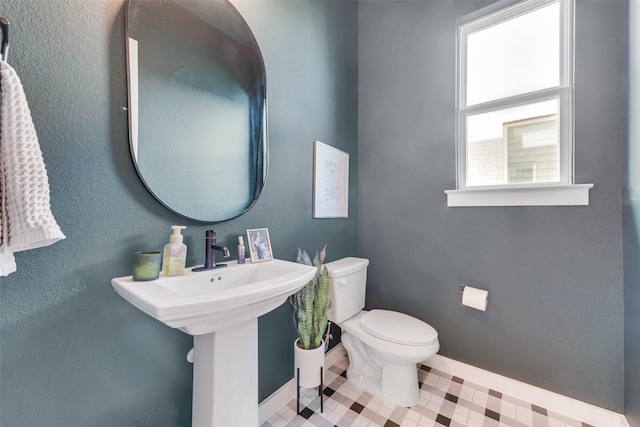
<point>176,236</point>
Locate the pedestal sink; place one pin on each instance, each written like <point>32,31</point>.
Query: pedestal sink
<point>220,308</point>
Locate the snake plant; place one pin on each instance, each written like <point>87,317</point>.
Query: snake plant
<point>311,302</point>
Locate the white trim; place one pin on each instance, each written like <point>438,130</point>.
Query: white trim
<point>538,195</point>
<point>276,401</point>
<point>594,415</point>
<point>272,404</point>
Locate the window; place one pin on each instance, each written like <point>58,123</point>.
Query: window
<point>515,105</point>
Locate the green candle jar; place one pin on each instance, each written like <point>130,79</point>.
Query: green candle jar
<point>146,265</point>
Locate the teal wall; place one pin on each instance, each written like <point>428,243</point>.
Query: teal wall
<point>631,221</point>
<point>554,274</point>
<point>72,352</point>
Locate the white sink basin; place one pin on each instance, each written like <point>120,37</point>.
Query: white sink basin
<point>208,301</point>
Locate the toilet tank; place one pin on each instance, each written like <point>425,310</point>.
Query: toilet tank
<point>347,287</point>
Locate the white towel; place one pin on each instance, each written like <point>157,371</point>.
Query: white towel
<point>26,221</point>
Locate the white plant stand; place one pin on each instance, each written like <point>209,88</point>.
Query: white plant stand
<point>309,370</point>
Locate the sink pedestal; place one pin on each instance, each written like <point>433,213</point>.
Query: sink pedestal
<point>225,377</point>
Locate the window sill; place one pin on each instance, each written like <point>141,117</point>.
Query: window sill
<point>541,195</point>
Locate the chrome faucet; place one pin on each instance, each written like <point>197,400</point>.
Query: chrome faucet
<point>210,254</point>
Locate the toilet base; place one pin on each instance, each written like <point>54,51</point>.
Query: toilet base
<point>393,383</point>
<point>399,384</point>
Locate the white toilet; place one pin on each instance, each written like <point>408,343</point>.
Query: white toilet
<point>383,346</point>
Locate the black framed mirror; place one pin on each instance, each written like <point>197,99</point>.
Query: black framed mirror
<point>197,106</point>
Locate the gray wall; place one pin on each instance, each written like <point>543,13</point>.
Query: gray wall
<point>631,221</point>
<point>72,352</point>
<point>554,274</point>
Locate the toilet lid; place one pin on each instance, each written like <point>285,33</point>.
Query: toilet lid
<point>398,328</point>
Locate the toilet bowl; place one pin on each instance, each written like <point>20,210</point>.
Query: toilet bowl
<point>383,346</point>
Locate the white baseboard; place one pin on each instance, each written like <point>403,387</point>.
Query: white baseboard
<point>573,408</point>
<point>272,404</point>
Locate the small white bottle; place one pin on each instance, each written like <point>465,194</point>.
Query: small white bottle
<point>240,250</point>
<point>175,253</point>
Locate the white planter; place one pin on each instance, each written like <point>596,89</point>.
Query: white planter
<point>310,363</point>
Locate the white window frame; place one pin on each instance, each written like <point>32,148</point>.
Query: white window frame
<point>564,192</point>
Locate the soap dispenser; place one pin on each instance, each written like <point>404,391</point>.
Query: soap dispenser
<point>175,253</point>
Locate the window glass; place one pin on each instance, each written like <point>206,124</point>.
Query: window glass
<point>514,145</point>
<point>516,56</point>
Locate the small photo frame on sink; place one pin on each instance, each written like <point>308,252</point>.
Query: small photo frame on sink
<point>259,245</point>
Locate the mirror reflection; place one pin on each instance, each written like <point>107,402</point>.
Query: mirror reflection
<point>197,106</point>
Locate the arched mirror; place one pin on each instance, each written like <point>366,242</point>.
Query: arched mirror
<point>197,106</point>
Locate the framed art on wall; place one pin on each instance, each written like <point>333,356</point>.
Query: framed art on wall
<point>330,182</point>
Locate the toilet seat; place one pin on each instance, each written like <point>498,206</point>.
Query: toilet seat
<point>398,328</point>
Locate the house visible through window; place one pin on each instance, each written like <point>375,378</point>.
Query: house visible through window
<point>515,96</point>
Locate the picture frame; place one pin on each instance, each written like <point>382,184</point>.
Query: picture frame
<point>330,182</point>
<point>259,245</point>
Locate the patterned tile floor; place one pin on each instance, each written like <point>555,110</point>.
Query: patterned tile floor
<point>445,400</point>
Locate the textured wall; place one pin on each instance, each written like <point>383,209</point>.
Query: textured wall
<point>72,352</point>
<point>554,274</point>
<point>632,229</point>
